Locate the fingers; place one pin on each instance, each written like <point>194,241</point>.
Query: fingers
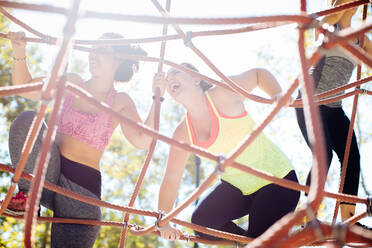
<point>17,36</point>
<point>17,39</point>
<point>170,233</point>
<point>159,77</point>
<point>159,81</point>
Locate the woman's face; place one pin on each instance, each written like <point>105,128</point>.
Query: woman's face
<point>102,61</point>
<point>180,84</point>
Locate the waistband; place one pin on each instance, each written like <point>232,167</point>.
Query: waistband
<point>82,175</point>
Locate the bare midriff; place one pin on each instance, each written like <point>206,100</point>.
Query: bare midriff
<point>78,151</point>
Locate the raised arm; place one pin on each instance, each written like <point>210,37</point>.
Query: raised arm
<point>344,19</point>
<point>171,181</point>
<point>20,73</point>
<point>137,138</point>
<point>341,16</point>
<point>249,80</point>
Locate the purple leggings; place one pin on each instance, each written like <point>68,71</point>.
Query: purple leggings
<point>226,203</point>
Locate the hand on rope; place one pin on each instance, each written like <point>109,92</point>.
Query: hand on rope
<point>169,232</point>
<point>18,42</point>
<point>160,82</point>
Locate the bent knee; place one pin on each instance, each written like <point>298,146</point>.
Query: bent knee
<point>22,123</point>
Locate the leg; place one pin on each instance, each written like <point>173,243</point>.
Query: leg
<point>17,136</point>
<point>217,210</point>
<point>327,137</point>
<point>74,235</point>
<point>339,125</point>
<point>270,204</point>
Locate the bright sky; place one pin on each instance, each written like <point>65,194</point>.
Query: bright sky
<point>231,53</point>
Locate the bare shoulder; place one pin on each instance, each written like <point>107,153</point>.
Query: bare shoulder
<point>180,133</point>
<point>223,96</point>
<point>245,80</point>
<point>122,101</point>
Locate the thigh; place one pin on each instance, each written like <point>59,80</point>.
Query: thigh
<point>74,235</point>
<point>17,137</point>
<point>223,204</point>
<point>339,125</point>
<point>67,207</point>
<point>270,204</point>
<point>301,123</point>
<point>326,129</point>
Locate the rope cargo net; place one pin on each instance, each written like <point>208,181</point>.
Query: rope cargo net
<point>278,235</point>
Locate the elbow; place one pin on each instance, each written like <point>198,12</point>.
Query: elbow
<point>143,142</point>
<point>21,82</point>
<point>262,72</point>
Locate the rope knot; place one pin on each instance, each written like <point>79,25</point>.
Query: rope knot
<point>44,100</point>
<point>339,232</point>
<point>314,223</point>
<point>48,39</point>
<point>369,205</point>
<point>13,182</point>
<point>363,91</point>
<point>218,170</point>
<point>188,41</point>
<point>160,216</point>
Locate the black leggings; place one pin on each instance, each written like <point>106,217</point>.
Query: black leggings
<point>335,128</point>
<point>226,203</point>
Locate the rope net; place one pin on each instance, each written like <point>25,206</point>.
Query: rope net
<point>315,233</point>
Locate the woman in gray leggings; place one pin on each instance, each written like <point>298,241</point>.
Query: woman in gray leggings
<point>63,235</point>
<point>83,133</point>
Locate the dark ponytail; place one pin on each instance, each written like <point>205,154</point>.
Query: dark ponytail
<point>203,84</point>
<point>127,68</point>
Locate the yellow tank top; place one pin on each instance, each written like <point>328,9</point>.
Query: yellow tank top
<point>227,133</point>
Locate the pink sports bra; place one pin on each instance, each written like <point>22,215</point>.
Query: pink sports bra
<point>94,129</point>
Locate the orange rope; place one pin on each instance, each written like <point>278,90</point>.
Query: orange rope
<point>278,233</point>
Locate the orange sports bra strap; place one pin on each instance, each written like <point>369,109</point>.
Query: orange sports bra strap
<point>189,132</point>
<point>211,105</point>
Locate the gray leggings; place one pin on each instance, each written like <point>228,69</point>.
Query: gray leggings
<point>62,235</point>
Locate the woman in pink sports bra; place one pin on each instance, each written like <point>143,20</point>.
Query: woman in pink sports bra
<point>83,132</point>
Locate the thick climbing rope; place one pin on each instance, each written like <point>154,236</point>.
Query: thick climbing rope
<point>278,233</point>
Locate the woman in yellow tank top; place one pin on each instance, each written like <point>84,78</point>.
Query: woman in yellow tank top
<point>217,121</point>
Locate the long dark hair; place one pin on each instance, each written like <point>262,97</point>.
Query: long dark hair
<point>125,71</point>
<point>203,84</point>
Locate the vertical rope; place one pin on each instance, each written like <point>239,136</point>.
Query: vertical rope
<point>351,130</point>
<point>40,168</point>
<point>154,141</point>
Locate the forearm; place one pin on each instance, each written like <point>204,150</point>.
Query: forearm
<point>167,196</point>
<point>172,177</point>
<point>20,72</point>
<point>150,122</point>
